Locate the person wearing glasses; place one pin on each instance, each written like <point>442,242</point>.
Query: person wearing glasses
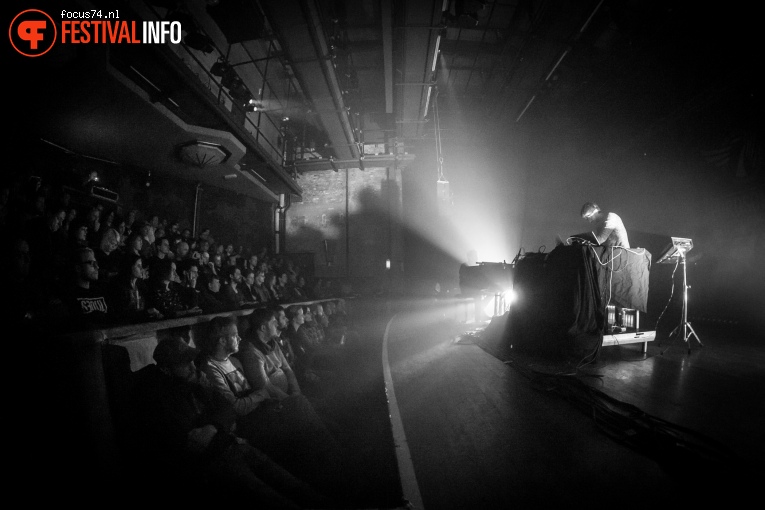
<point>86,300</point>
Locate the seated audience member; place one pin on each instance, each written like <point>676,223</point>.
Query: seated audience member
<point>248,288</point>
<point>320,321</point>
<point>161,251</point>
<point>181,251</point>
<point>166,294</point>
<point>210,299</point>
<point>303,346</point>
<point>108,256</point>
<point>271,284</point>
<point>174,232</point>
<point>260,292</point>
<point>250,264</point>
<point>121,227</point>
<point>230,290</point>
<point>289,431</point>
<point>337,328</point>
<point>128,291</point>
<point>282,286</point>
<point>282,322</point>
<point>78,237</point>
<point>186,434</point>
<point>190,280</point>
<point>93,221</point>
<point>134,244</point>
<point>312,330</point>
<point>68,224</point>
<point>217,264</point>
<point>263,363</point>
<point>224,371</point>
<point>204,264</point>
<point>299,291</point>
<point>86,299</point>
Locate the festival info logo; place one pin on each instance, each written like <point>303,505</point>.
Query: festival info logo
<point>32,33</point>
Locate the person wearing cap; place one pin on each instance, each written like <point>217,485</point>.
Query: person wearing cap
<point>188,435</point>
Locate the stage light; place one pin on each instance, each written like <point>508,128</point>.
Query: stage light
<point>509,296</point>
<point>220,67</point>
<point>387,263</point>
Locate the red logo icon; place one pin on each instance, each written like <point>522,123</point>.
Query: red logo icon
<point>32,33</point>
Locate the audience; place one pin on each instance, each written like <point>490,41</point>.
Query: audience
<point>187,434</point>
<point>287,429</point>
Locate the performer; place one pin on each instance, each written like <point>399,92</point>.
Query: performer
<point>608,229</point>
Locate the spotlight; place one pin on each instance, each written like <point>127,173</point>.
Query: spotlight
<point>220,67</point>
<point>253,105</point>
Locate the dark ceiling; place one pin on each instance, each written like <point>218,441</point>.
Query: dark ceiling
<point>349,73</point>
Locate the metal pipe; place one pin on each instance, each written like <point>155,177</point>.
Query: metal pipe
<point>197,194</point>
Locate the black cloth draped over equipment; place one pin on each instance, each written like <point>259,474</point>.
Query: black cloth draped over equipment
<point>562,296</point>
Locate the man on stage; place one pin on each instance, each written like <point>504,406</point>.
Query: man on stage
<point>608,228</point>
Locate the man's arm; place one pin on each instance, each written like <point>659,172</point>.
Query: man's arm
<point>241,405</point>
<point>254,368</point>
<point>294,387</point>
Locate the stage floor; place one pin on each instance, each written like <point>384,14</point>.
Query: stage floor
<point>630,429</point>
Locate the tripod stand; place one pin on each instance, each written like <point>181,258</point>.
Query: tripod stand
<point>685,326</point>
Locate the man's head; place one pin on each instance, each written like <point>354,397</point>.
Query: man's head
<point>249,277</point>
<point>281,317</point>
<point>590,211</point>
<point>222,337</point>
<point>296,315</point>
<point>181,250</point>
<point>56,219</point>
<point>163,245</point>
<point>110,240</point>
<point>264,324</point>
<point>234,275</point>
<point>176,358</point>
<point>190,272</point>
<point>213,283</point>
<point>86,267</point>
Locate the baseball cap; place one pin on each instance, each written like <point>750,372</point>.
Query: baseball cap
<point>174,351</point>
